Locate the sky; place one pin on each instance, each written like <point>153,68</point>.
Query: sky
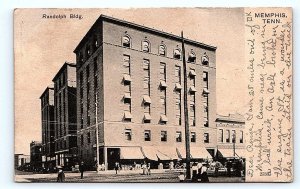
<point>41,46</point>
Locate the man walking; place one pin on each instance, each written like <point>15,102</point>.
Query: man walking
<point>81,169</point>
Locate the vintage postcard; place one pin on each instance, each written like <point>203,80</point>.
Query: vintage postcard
<point>153,95</point>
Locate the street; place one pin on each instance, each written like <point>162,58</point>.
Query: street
<point>158,176</point>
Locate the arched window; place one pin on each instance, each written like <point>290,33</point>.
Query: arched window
<point>96,43</point>
<point>162,50</point>
<point>177,53</point>
<point>205,60</point>
<point>146,46</point>
<point>126,41</point>
<point>192,56</point>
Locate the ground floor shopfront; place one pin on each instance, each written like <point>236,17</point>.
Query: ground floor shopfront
<point>132,157</point>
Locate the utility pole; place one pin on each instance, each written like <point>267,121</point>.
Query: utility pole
<point>234,135</point>
<point>97,134</point>
<point>186,115</point>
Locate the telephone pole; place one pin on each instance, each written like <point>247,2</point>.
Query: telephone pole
<point>186,115</point>
<point>97,135</point>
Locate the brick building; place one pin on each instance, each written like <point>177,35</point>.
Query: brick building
<point>36,154</point>
<point>231,142</point>
<point>135,75</point>
<point>47,116</point>
<point>65,115</point>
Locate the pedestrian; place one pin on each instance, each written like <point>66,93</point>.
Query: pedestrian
<point>81,169</point>
<point>217,166</point>
<point>194,172</point>
<point>148,169</point>
<point>229,166</point>
<point>144,168</point>
<point>199,167</point>
<point>60,174</point>
<point>204,176</point>
<point>117,167</point>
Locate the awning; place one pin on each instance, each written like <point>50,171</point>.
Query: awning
<point>127,96</point>
<point>206,91</point>
<point>163,118</point>
<point>229,152</point>
<point>147,116</point>
<point>126,77</point>
<point>167,153</point>
<point>150,152</point>
<point>178,86</point>
<point>240,152</point>
<point>200,152</point>
<point>147,99</point>
<point>163,84</point>
<point>192,73</point>
<point>131,153</point>
<point>196,152</point>
<point>127,115</point>
<point>193,89</point>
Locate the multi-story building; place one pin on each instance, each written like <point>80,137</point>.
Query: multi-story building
<point>36,154</point>
<point>47,115</point>
<point>231,142</point>
<point>133,76</point>
<point>65,115</point>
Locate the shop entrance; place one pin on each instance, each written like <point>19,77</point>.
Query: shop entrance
<point>113,156</point>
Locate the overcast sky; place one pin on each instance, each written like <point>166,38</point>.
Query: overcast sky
<point>43,45</point>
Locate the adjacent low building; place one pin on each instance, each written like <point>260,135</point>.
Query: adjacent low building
<point>231,136</point>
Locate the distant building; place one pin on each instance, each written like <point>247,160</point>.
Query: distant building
<point>21,159</point>
<point>36,154</point>
<point>65,113</point>
<point>135,75</point>
<point>231,136</point>
<point>47,115</point>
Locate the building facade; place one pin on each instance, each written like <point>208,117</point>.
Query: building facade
<point>21,159</point>
<point>36,154</point>
<point>47,116</point>
<point>65,114</point>
<point>130,87</point>
<point>231,136</point>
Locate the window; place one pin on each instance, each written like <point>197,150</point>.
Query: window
<point>80,58</point>
<point>126,41</point>
<point>205,80</point>
<point>177,53</point>
<point>146,46</point>
<point>88,51</point>
<point>233,136</point>
<point>205,60</point>
<point>178,136</point>
<point>220,136</point>
<point>241,137</point>
<point>163,136</point>
<point>81,78</point>
<point>96,43</point>
<point>162,50</point>
<point>128,134</point>
<point>147,135</point>
<point>81,140</point>
<point>227,136</point>
<point>95,66</point>
<point>89,137</point>
<point>206,137</point>
<point>193,137</point>
<point>192,57</point>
